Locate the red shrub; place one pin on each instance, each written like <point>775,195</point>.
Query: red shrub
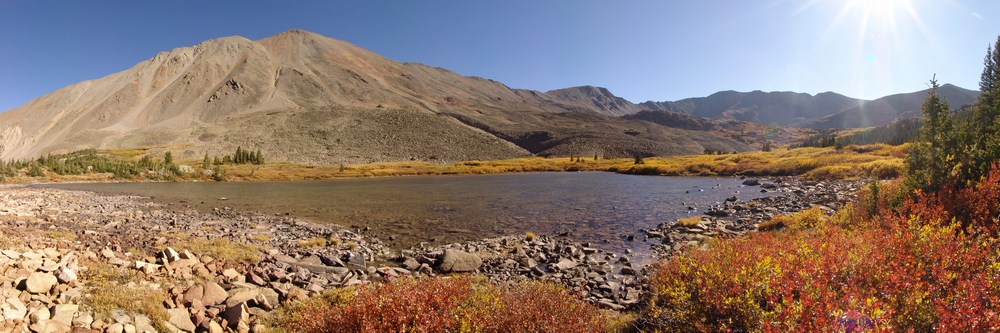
<point>904,276</point>
<point>450,305</point>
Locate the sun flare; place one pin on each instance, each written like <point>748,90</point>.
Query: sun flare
<point>881,8</point>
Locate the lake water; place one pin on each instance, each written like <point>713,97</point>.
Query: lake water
<point>602,208</point>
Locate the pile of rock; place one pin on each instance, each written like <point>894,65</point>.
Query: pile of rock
<point>600,277</point>
<point>39,290</point>
<point>732,217</point>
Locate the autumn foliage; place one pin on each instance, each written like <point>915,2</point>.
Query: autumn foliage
<point>448,305</point>
<point>909,263</point>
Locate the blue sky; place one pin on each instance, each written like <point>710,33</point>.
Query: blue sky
<point>640,50</point>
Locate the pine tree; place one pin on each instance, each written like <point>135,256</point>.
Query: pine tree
<point>932,158</point>
<point>983,141</point>
<point>168,158</point>
<point>260,158</point>
<point>237,157</point>
<point>206,163</point>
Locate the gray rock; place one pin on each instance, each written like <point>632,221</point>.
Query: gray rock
<point>565,264</point>
<point>459,261</point>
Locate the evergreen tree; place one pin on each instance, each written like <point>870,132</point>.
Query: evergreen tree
<point>206,163</point>
<point>260,158</point>
<point>237,157</point>
<point>933,158</point>
<point>980,135</point>
<point>168,158</point>
<point>216,161</point>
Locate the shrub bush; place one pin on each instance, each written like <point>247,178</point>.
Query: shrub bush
<point>446,305</point>
<point>910,269</point>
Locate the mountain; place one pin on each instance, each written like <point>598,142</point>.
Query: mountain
<point>777,108</point>
<point>886,109</point>
<point>299,96</point>
<point>592,99</point>
<point>751,133</point>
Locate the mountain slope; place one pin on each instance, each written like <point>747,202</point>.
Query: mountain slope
<point>590,98</point>
<point>302,97</point>
<point>886,109</point>
<point>777,108</point>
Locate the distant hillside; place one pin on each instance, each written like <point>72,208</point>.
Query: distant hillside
<point>302,97</point>
<point>886,109</point>
<point>591,98</point>
<point>777,108</point>
<point>751,133</point>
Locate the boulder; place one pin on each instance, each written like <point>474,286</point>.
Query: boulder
<point>236,315</point>
<point>50,326</point>
<point>459,261</point>
<point>181,319</point>
<point>213,294</point>
<point>64,313</point>
<point>40,283</point>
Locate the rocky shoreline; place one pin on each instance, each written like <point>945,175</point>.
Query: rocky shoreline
<point>226,271</point>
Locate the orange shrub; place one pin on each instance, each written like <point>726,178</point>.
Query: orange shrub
<point>913,277</point>
<point>448,305</point>
<point>908,269</point>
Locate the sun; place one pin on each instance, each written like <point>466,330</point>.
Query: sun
<point>881,9</point>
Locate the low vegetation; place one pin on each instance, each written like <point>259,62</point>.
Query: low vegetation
<point>446,305</point>
<point>221,248</point>
<point>110,287</point>
<point>852,162</point>
<point>918,254</point>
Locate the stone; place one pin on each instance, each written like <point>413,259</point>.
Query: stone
<point>214,327</point>
<point>751,182</point>
<point>195,293</point>
<point>236,315</point>
<point>411,264</point>
<point>566,264</point>
<point>181,319</point>
<point>213,294</point>
<point>230,273</point>
<point>116,328</point>
<point>51,326</point>
<point>39,315</point>
<point>66,275</point>
<point>84,319</point>
<point>40,283</point>
<point>241,295</point>
<point>146,267</point>
<point>64,313</point>
<point>459,261</point>
<point>14,309</point>
<point>143,324</point>
<point>169,255</point>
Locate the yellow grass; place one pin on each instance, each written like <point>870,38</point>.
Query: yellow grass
<point>689,221</point>
<point>221,248</point>
<point>814,163</point>
<point>851,162</point>
<point>110,288</point>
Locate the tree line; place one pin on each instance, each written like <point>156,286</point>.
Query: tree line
<point>954,148</point>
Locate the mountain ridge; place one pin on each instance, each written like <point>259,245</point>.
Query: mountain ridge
<point>307,98</point>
